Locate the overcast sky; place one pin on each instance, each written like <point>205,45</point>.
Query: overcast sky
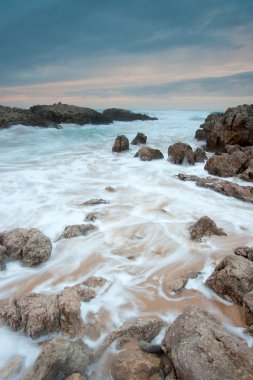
<point>138,54</point>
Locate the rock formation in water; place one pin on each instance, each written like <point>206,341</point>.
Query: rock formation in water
<point>121,144</point>
<point>140,138</point>
<point>179,153</point>
<point>146,153</point>
<point>205,227</point>
<point>119,114</point>
<point>76,230</point>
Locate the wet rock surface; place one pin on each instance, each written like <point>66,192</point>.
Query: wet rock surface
<point>200,155</point>
<point>121,144</point>
<point>60,358</point>
<point>2,258</point>
<point>140,138</point>
<point>76,230</point>
<point>181,152</point>
<point>148,154</point>
<point>172,286</point>
<point>94,202</point>
<point>248,310</point>
<point>207,127</point>
<point>119,114</point>
<point>201,348</point>
<point>232,278</point>
<point>246,252</point>
<point>205,227</point>
<point>28,245</point>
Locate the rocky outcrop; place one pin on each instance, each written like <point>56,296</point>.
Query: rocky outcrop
<point>199,347</point>
<point>244,193</point>
<point>28,245</point>
<point>76,230</point>
<point>2,258</point>
<point>205,227</point>
<point>232,278</point>
<point>181,152</point>
<point>119,114</point>
<point>121,144</point>
<point>207,127</point>
<point>60,358</point>
<point>200,155</point>
<point>246,252</point>
<point>140,138</point>
<point>148,154</point>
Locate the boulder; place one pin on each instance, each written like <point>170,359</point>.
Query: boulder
<point>180,152</point>
<point>2,258</point>
<point>28,245</point>
<point>12,369</point>
<point>148,154</point>
<point>248,310</point>
<point>246,252</point>
<point>60,358</point>
<point>205,227</point>
<point>140,138</point>
<point>232,278</point>
<point>207,127</point>
<point>247,175</point>
<point>226,165</point>
<point>121,144</point>
<point>200,155</point>
<point>76,230</point>
<point>119,114</point>
<point>201,348</point>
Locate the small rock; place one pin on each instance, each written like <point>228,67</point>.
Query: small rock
<point>180,152</point>
<point>148,154</point>
<point>140,138</point>
<point>94,202</point>
<point>121,144</point>
<point>76,230</point>
<point>110,189</point>
<point>12,368</point>
<point>94,281</point>
<point>143,328</point>
<point>91,216</point>
<point>246,252</point>
<point>174,286</point>
<point>200,155</point>
<point>205,227</point>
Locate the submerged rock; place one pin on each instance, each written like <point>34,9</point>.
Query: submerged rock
<point>180,152</point>
<point>140,138</point>
<point>76,230</point>
<point>94,281</point>
<point>94,202</point>
<point>121,144</point>
<point>174,286</point>
<point>110,189</point>
<point>119,114</point>
<point>201,348</point>
<point>205,227</point>
<point>28,245</point>
<point>148,154</point>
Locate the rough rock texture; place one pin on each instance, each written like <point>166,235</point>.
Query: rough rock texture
<point>75,376</point>
<point>29,245</point>
<point>173,286</point>
<point>227,165</point>
<point>247,175</point>
<point>121,144</point>
<point>146,153</point>
<point>200,155</point>
<point>93,282</point>
<point>201,348</point>
<point>248,309</point>
<point>151,348</point>
<point>244,193</point>
<point>12,369</point>
<point>180,152</point>
<point>119,114</point>
<point>140,138</point>
<point>60,358</point>
<point>77,230</point>
<point>246,252</point>
<point>135,365</point>
<point>205,227</point>
<point>94,202</point>
<point>207,127</point>
<point>2,258</point>
<point>232,278</point>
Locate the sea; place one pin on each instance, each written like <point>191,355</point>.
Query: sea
<point>142,236</point>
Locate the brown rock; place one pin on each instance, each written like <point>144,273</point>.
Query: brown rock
<point>232,278</point>
<point>29,245</point>
<point>248,309</point>
<point>247,175</point>
<point>207,127</point>
<point>200,155</point>
<point>246,252</point>
<point>75,376</point>
<point>174,286</point>
<point>60,358</point>
<point>94,202</point>
<point>226,165</point>
<point>143,328</point>
<point>110,189</point>
<point>201,348</point>
<point>94,281</point>
<point>12,368</point>
<point>140,138</point>
<point>91,216</point>
<point>180,152</point>
<point>121,144</point>
<point>148,154</point>
<point>205,227</point>
<point>76,230</point>
<point>2,258</point>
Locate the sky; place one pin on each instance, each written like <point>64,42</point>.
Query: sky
<point>135,54</point>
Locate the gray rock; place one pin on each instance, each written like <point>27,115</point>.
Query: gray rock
<point>119,114</point>
<point>205,227</point>
<point>94,202</point>
<point>148,154</point>
<point>76,230</point>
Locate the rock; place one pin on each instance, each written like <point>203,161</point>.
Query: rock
<point>180,152</point>
<point>248,309</point>
<point>121,144</point>
<point>174,286</point>
<point>77,230</point>
<point>226,165</point>
<point>2,258</point>
<point>60,358</point>
<point>135,365</point>
<point>148,154</point>
<point>151,348</point>
<point>200,155</point>
<point>94,202</point>
<point>207,127</point>
<point>12,369</point>
<point>140,138</point>
<point>92,216</point>
<point>201,348</point>
<point>205,227</point>
<point>110,189</point>
<point>29,245</point>
<point>246,252</point>
<point>75,376</point>
<point>119,114</point>
<point>143,328</point>
<point>232,278</point>
<point>94,282</point>
<point>247,175</point>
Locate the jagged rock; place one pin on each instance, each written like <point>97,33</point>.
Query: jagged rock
<point>148,154</point>
<point>12,369</point>
<point>173,286</point>
<point>119,114</point>
<point>60,358</point>
<point>205,227</point>
<point>2,258</point>
<point>201,348</point>
<point>226,165</point>
<point>121,144</point>
<point>180,152</point>
<point>207,127</point>
<point>232,278</point>
<point>94,202</point>
<point>200,155</point>
<point>77,230</point>
<point>93,282</point>
<point>247,175</point>
<point>140,138</point>
<point>248,309</point>
<point>246,252</point>
<point>29,245</point>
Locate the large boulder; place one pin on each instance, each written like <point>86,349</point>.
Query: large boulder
<point>205,227</point>
<point>60,358</point>
<point>226,165</point>
<point>201,348</point>
<point>119,114</point>
<point>181,152</point>
<point>28,245</point>
<point>232,278</point>
<point>121,144</point>
<point>76,230</point>
<point>140,138</point>
<point>146,153</point>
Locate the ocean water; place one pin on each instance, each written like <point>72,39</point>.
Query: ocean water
<point>143,232</point>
